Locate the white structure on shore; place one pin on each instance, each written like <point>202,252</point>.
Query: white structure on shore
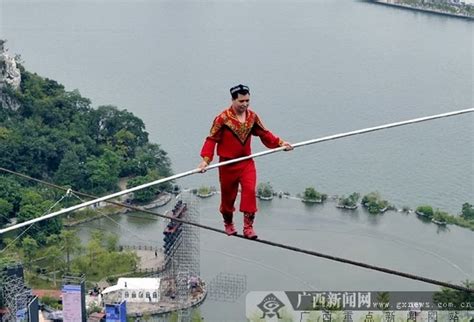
<point>134,290</point>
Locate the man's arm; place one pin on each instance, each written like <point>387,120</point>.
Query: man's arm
<point>202,166</point>
<point>207,150</point>
<point>270,140</point>
<point>207,153</point>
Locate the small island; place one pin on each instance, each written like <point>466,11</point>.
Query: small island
<point>349,202</point>
<point>265,191</point>
<point>311,195</point>
<point>205,192</point>
<point>374,203</point>
<point>436,216</point>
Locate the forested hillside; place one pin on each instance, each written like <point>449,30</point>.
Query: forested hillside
<point>57,135</point>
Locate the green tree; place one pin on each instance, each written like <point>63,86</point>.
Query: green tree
<point>154,175</point>
<point>374,203</point>
<point>204,190</point>
<point>6,209</point>
<point>384,299</point>
<point>111,242</point>
<point>312,195</point>
<point>94,250</point>
<point>71,244</point>
<point>4,133</point>
<point>107,121</point>
<point>143,195</point>
<point>350,201</point>
<point>467,211</point>
<point>265,190</point>
<point>10,190</point>
<point>354,198</point>
<point>148,157</point>
<point>425,210</point>
<point>71,171</point>
<point>456,297</point>
<point>99,262</point>
<point>33,148</point>
<point>29,247</point>
<point>440,215</point>
<point>53,239</point>
<point>57,260</point>
<point>103,172</point>
<point>124,143</point>
<point>39,231</point>
<point>196,316</point>
<point>31,197</point>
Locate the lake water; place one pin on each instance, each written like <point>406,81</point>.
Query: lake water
<point>315,68</point>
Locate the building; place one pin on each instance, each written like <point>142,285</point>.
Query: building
<point>133,290</point>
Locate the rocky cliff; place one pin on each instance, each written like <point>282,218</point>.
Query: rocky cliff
<point>9,76</point>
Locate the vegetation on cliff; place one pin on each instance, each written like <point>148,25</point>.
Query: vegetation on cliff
<point>56,135</point>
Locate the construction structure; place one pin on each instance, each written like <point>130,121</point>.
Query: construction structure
<point>15,294</point>
<point>227,287</point>
<point>178,277</point>
<point>181,241</point>
<point>182,253</point>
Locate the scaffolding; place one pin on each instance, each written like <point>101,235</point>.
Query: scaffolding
<point>188,253</point>
<point>226,287</point>
<point>182,255</point>
<point>16,295</point>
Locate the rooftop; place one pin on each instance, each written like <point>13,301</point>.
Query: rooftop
<point>134,283</point>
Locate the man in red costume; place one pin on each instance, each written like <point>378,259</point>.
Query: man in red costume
<point>231,131</point>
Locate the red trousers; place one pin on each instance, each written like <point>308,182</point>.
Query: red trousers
<point>230,176</point>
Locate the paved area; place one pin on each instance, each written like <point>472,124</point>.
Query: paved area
<point>166,305</point>
<point>150,259</point>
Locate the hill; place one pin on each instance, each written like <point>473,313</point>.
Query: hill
<point>53,134</point>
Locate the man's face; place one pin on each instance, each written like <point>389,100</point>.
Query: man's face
<point>241,103</point>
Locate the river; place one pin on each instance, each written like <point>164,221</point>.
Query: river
<point>315,68</point>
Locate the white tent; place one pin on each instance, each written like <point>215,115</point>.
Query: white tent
<point>134,290</point>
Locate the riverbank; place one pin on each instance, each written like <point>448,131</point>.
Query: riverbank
<point>87,215</point>
<point>426,8</point>
<point>104,209</point>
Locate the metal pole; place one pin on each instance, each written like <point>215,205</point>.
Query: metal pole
<point>255,155</point>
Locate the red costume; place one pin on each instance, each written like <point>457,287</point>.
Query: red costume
<point>233,140</point>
